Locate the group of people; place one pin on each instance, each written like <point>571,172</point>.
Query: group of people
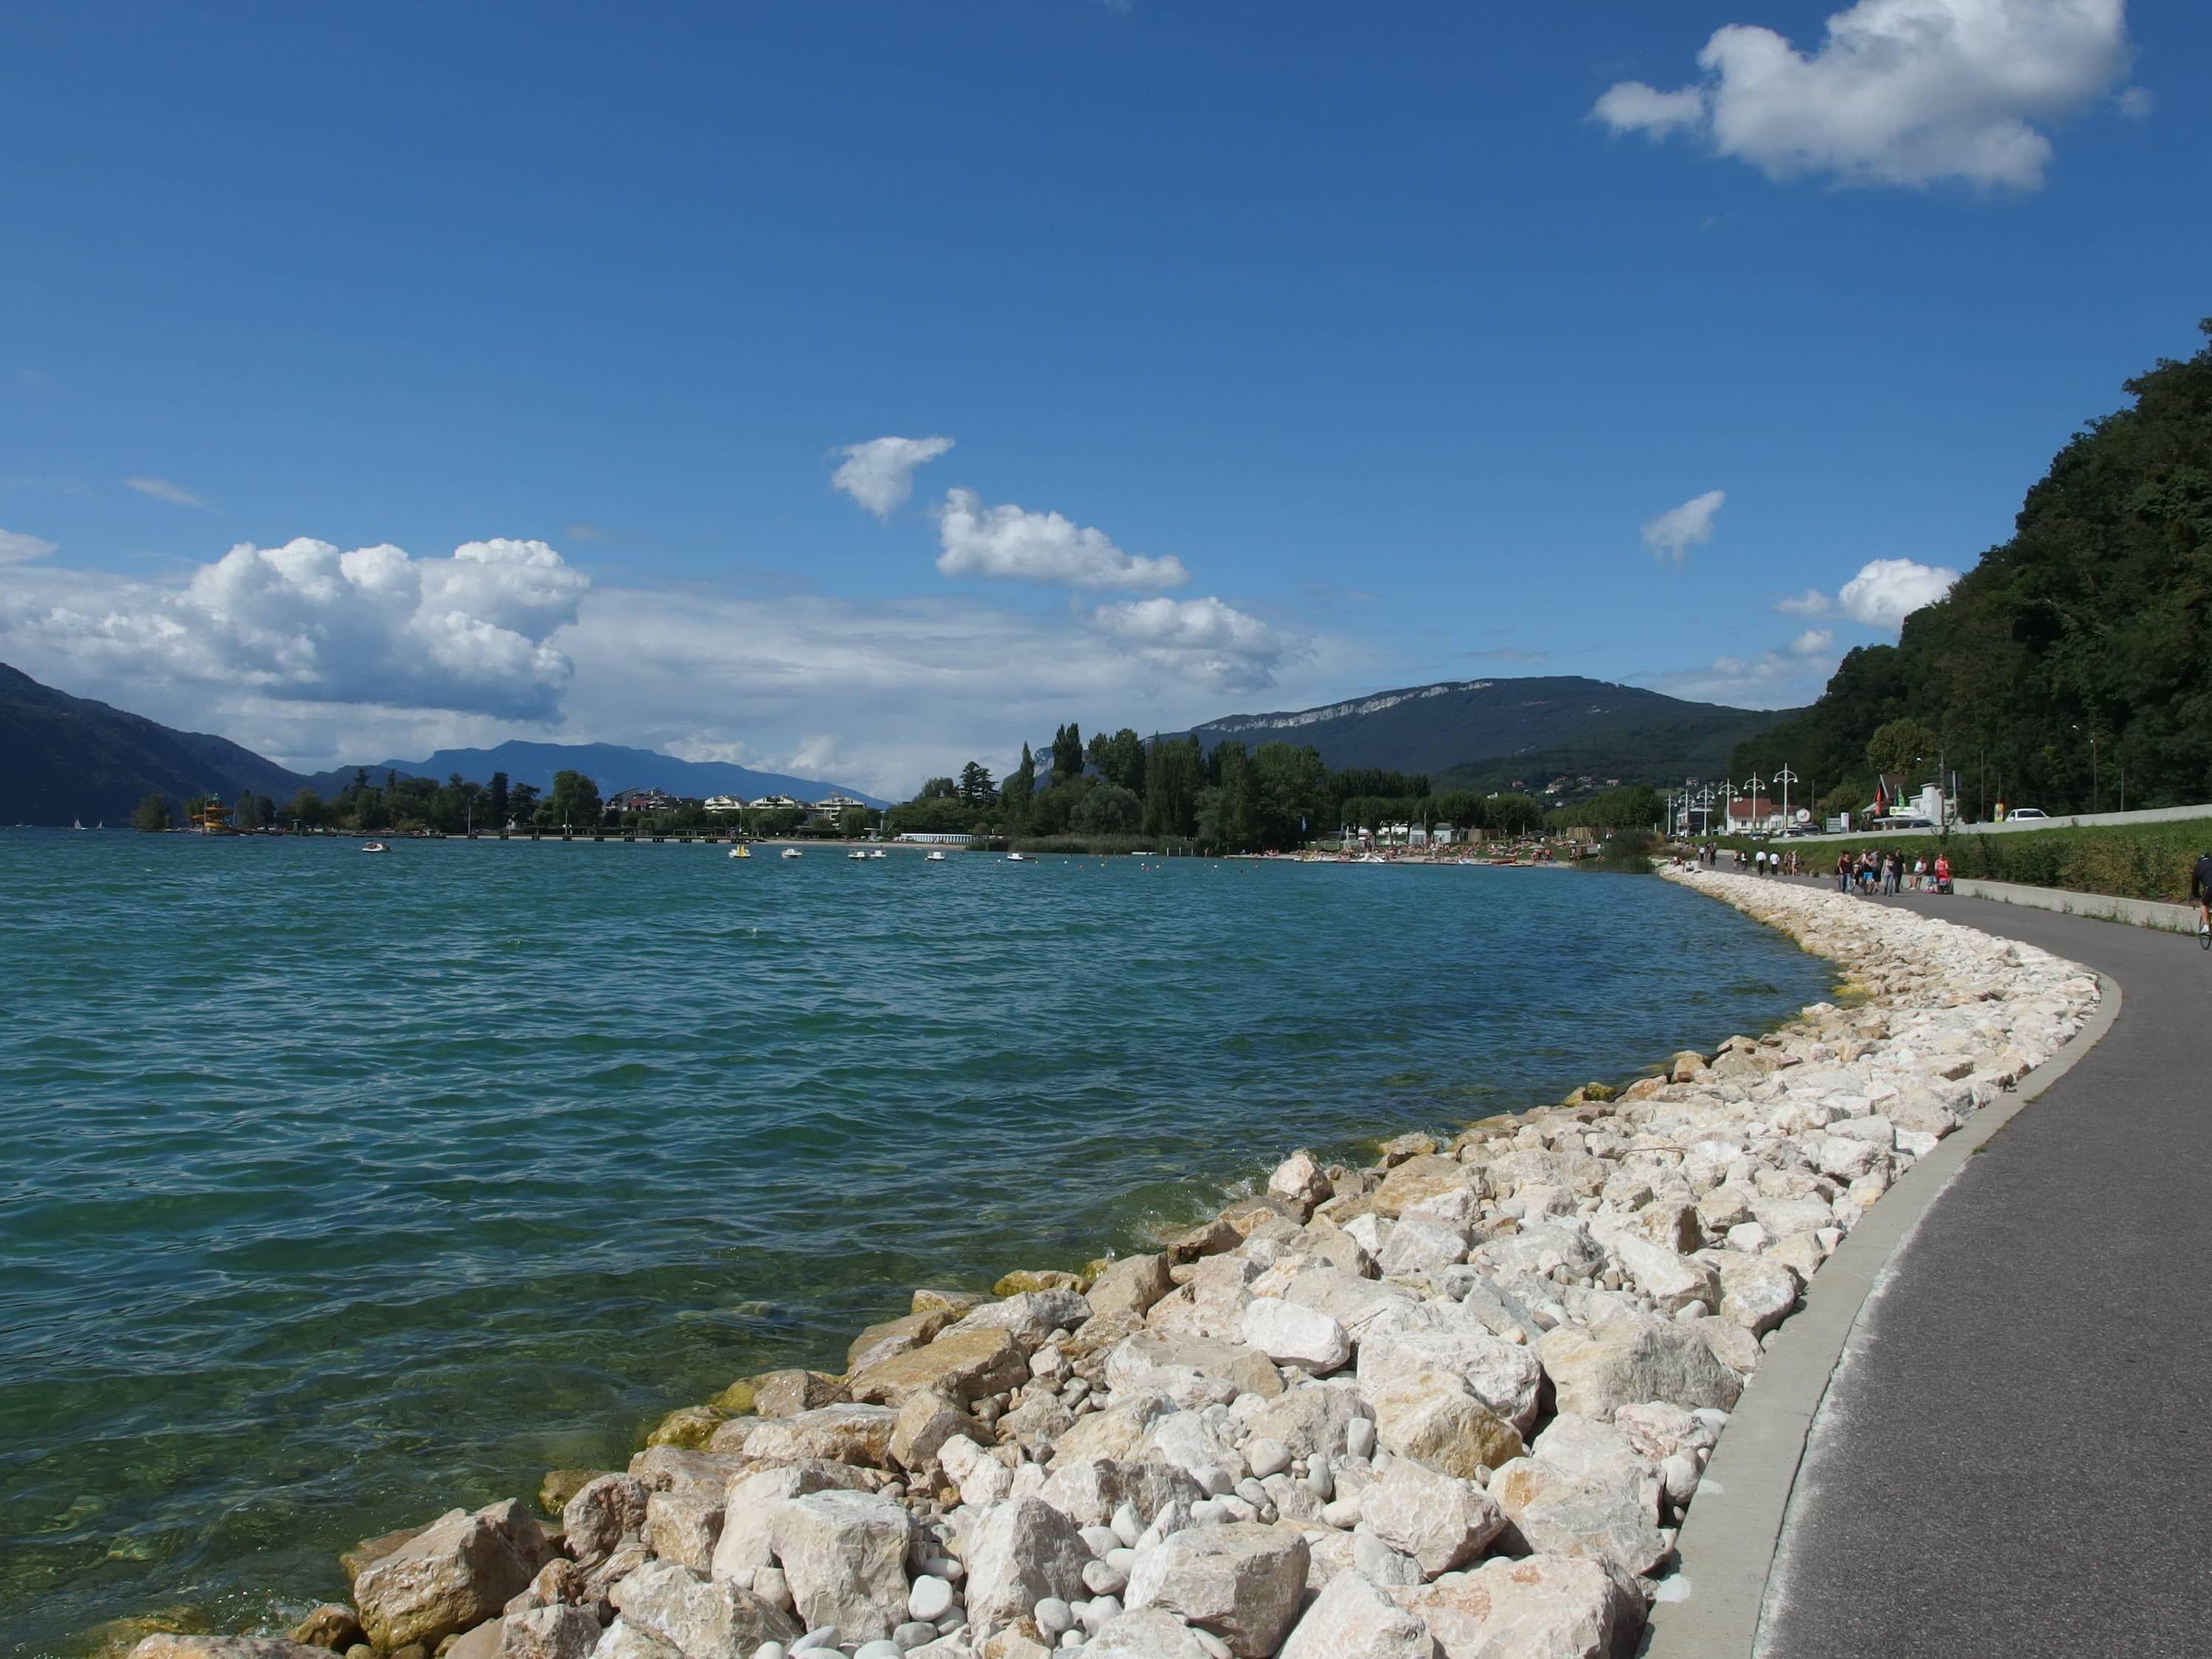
<point>1760,862</point>
<point>1887,873</point>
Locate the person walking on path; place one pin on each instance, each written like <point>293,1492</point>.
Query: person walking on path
<point>1843,873</point>
<point>2200,889</point>
<point>1942,873</point>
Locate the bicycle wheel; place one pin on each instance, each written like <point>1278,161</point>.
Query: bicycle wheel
<point>2204,938</point>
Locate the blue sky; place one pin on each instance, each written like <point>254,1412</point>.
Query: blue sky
<point>1400,331</point>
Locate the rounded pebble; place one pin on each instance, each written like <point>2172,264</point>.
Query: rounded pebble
<point>822,1635</point>
<point>1104,1578</point>
<point>1214,1481</point>
<point>1267,1456</point>
<point>1126,1527</point>
<point>914,1634</point>
<point>1053,1615</point>
<point>884,1649</point>
<point>929,1599</point>
<point>770,1650</point>
<point>1099,1540</point>
<point>1359,1437</point>
<point>1102,1610</point>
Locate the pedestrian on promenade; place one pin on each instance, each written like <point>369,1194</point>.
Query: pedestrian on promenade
<point>1942,873</point>
<point>1843,873</point>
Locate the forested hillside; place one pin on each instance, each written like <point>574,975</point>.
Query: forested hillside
<point>2073,661</point>
<point>65,757</point>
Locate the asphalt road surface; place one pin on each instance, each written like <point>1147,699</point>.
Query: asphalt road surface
<point>2015,1457</point>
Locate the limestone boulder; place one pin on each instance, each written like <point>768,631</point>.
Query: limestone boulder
<point>1440,1520</point>
<point>602,1514</point>
<point>621,1640</point>
<point>700,1619</point>
<point>832,1434</point>
<point>1422,1242</point>
<point>1633,1359</point>
<point>1504,1375</point>
<point>1117,1431</point>
<point>924,1423</point>
<point>1028,1318</point>
<point>1145,1633</point>
<point>1421,1178</point>
<point>1022,1552</point>
<point>1300,1179</point>
<point>560,1630</point>
<point>1130,1285</point>
<point>893,1337</point>
<point>1291,1334</point>
<point>1554,1511</point>
<point>1243,1582</point>
<point>747,1540</point>
<point>1193,1371</point>
<point>1312,1420</point>
<point>1432,1416</point>
<point>1354,1302</point>
<point>1089,1491</point>
<point>961,1365</point>
<point>1352,1619</point>
<point>1545,1607</point>
<point>787,1392</point>
<point>675,1468</point>
<point>1757,1293</point>
<point>457,1572</point>
<point>1657,1429</point>
<point>163,1645</point>
<point>844,1556</point>
<point>683,1527</point>
<point>1599,1452</point>
<point>1670,1280</point>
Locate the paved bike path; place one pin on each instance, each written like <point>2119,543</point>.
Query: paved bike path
<point>2015,1457</point>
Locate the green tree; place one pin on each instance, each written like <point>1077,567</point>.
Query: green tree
<point>247,814</point>
<point>151,816</point>
<point>1017,792</point>
<point>1175,772</point>
<point>1067,753</point>
<point>305,809</point>
<point>1902,745</point>
<point>575,801</point>
<point>977,786</point>
<point>496,800</point>
<point>1108,809</point>
<point>939,789</point>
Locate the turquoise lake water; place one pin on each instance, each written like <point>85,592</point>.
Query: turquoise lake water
<point>339,1190</point>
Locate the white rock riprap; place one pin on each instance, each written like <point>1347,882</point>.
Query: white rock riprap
<point>1454,1403</point>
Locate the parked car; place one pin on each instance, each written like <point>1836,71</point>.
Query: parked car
<point>1905,821</point>
<point>2025,812</point>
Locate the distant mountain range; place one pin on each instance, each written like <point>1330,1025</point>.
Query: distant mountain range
<point>63,757</point>
<point>609,765</point>
<point>1485,734</point>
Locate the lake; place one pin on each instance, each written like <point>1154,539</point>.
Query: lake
<point>340,1190</point>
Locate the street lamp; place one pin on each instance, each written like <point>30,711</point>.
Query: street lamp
<point>1785,777</point>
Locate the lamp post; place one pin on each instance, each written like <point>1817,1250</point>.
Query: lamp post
<point>1785,777</point>
<point>1751,803</point>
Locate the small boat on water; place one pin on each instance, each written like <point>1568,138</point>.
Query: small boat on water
<point>741,851</point>
<point>935,856</point>
<point>879,852</point>
<point>374,847</point>
<point>1019,858</point>
<point>76,823</point>
<point>791,852</point>
<point>856,853</point>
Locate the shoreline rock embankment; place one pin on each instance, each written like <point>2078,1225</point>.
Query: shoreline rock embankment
<point>1453,1403</point>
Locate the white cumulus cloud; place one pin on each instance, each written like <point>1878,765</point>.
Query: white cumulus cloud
<point>1888,591</point>
<point>162,490</point>
<point>1201,639</point>
<point>1811,602</point>
<point>308,623</point>
<point>1813,642</point>
<point>1900,91</point>
<point>1009,541</point>
<point>1672,535</point>
<point>16,547</point>
<point>879,473</point>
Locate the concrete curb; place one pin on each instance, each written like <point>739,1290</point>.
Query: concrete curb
<point>1734,1526</point>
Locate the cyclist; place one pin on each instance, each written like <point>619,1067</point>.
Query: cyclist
<point>2200,889</point>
